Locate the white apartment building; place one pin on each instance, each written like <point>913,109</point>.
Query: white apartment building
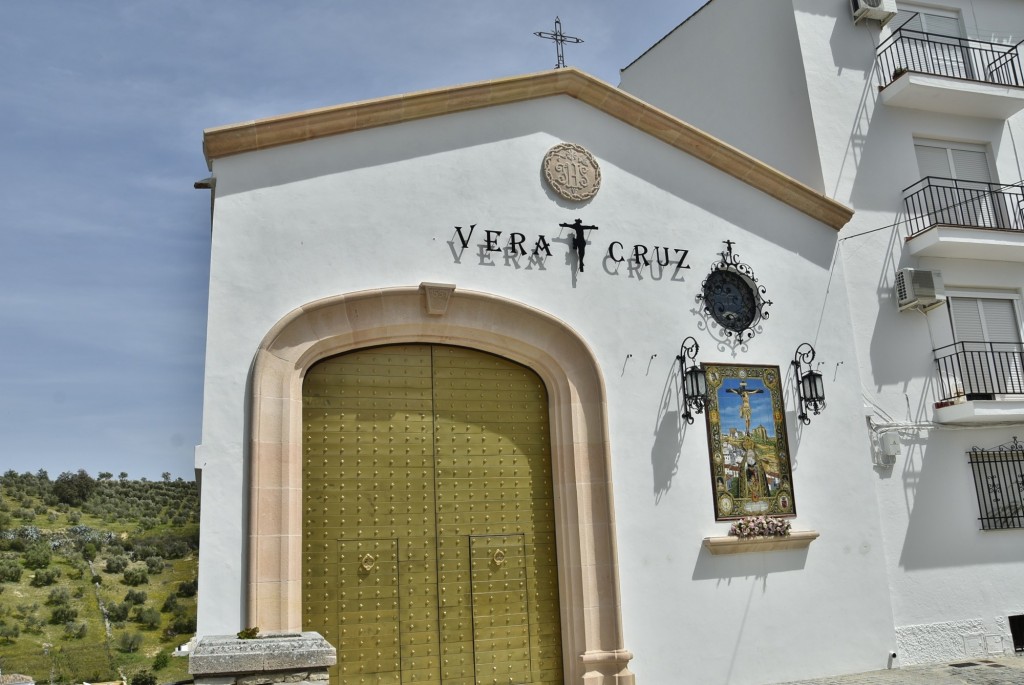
<point>453,414</point>
<point>909,113</point>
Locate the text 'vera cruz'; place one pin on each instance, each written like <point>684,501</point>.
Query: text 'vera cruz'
<point>516,244</point>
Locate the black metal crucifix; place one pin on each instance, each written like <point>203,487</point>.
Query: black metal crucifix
<point>579,239</point>
<point>560,40</point>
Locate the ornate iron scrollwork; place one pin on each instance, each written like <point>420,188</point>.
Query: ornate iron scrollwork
<point>732,297</point>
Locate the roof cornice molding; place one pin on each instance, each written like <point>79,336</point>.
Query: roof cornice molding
<point>224,141</point>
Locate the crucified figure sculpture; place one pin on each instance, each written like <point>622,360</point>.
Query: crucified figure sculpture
<point>579,240</point>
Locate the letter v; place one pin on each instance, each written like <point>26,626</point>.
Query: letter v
<point>464,239</point>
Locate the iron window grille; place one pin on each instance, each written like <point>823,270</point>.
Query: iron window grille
<point>999,484</point>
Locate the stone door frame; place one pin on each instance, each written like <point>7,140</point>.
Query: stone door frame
<point>584,512</point>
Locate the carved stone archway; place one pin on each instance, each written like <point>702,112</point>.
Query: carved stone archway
<point>584,513</point>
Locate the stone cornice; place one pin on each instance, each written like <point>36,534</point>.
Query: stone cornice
<point>261,134</point>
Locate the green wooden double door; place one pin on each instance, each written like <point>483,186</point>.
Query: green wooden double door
<point>429,535</point>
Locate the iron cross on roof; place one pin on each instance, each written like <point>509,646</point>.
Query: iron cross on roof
<point>560,40</point>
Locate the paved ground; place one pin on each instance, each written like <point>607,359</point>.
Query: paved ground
<point>1003,671</point>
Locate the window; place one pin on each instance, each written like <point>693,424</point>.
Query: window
<point>987,335</point>
<point>933,21</point>
<point>999,484</point>
<point>962,161</point>
<point>960,186</point>
<point>934,43</point>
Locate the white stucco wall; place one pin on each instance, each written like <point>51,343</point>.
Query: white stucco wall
<point>378,208</point>
<point>734,69</point>
<point>947,578</point>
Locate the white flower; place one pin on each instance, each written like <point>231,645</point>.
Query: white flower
<point>760,526</point>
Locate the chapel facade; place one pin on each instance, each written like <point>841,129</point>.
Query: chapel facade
<point>493,370</point>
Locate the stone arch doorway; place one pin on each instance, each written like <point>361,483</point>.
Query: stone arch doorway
<point>592,642</point>
<point>428,523</point>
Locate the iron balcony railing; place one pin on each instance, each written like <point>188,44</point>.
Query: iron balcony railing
<point>979,370</point>
<point>936,201</point>
<point>909,49</point>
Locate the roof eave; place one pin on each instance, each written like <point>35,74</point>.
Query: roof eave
<point>224,141</point>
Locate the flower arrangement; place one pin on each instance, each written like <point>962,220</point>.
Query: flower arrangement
<point>760,526</point>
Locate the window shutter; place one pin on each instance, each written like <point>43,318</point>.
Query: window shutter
<point>941,26</point>
<point>933,161</point>
<point>931,23</point>
<point>1000,320</point>
<point>967,325</point>
<point>971,165</point>
<point>908,20</point>
<point>993,367</point>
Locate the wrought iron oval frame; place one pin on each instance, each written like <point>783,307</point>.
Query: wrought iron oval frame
<point>730,263</point>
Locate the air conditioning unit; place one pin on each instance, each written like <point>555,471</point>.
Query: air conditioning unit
<point>918,289</point>
<point>880,10</point>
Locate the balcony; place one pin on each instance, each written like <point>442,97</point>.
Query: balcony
<point>980,382</point>
<point>965,219</point>
<point>920,70</point>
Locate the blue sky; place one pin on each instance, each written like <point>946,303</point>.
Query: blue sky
<point>104,243</point>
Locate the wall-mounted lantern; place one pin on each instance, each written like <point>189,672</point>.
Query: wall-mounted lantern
<point>695,383</point>
<point>809,384</point>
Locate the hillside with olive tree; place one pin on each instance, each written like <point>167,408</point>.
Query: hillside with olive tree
<point>97,576</point>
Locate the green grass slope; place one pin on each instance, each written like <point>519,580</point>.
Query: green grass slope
<point>97,576</point>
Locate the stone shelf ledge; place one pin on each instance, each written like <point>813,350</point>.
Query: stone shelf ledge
<point>730,544</point>
<point>270,658</point>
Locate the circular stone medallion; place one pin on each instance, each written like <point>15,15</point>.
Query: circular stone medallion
<point>572,172</point>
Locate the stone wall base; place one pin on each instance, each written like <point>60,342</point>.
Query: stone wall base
<point>953,641</point>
